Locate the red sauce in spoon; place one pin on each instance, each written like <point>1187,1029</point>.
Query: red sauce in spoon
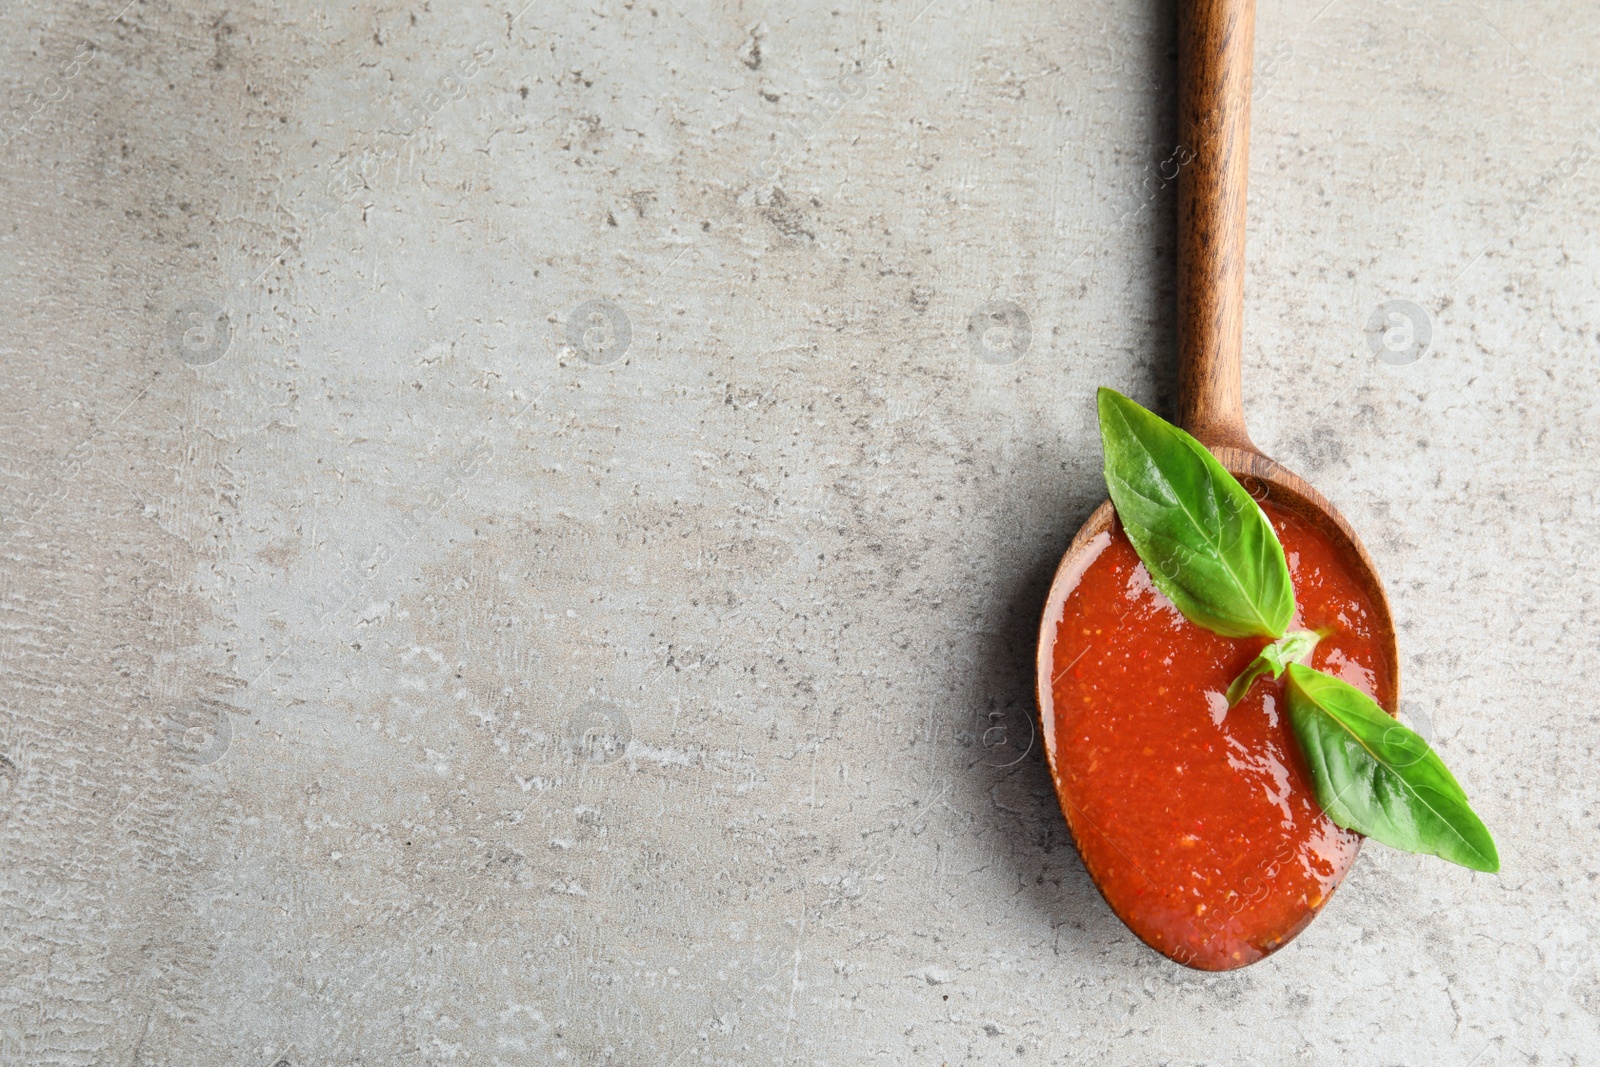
<point>1198,822</point>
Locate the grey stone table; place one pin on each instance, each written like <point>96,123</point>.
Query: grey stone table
<point>523,526</point>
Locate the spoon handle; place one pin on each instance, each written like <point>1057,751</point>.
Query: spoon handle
<point>1216,42</point>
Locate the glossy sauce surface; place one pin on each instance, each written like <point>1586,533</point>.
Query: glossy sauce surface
<point>1198,822</point>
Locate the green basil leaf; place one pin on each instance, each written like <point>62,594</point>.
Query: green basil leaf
<point>1376,777</point>
<point>1292,647</point>
<point>1207,545</point>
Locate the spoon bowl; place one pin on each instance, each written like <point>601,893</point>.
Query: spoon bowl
<point>1265,480</point>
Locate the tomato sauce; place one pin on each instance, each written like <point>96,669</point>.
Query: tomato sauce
<point>1197,821</point>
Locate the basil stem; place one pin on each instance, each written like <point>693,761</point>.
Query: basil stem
<point>1292,647</point>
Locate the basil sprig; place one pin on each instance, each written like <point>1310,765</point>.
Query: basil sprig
<point>1374,776</point>
<point>1207,544</point>
<point>1211,551</point>
<point>1292,647</point>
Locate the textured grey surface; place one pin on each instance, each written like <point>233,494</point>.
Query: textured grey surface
<point>426,679</point>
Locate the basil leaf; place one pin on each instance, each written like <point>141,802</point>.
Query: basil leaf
<point>1292,647</point>
<point>1376,777</point>
<point>1207,545</point>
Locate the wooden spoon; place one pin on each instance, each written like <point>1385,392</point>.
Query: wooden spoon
<point>1216,44</point>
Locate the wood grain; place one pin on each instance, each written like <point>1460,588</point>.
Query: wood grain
<point>1216,40</point>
